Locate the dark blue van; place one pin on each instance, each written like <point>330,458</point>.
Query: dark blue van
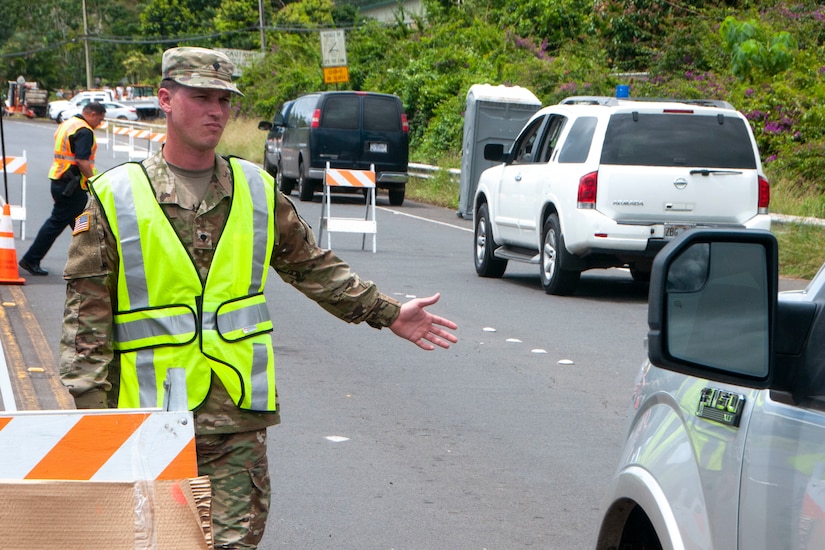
<point>354,130</point>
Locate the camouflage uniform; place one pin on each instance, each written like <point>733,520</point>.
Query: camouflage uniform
<point>231,443</point>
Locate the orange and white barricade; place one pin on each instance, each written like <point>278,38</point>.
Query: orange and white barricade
<point>101,444</point>
<point>17,166</point>
<point>128,136</point>
<point>104,478</point>
<point>363,179</point>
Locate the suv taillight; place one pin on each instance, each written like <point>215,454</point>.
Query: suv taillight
<point>764,195</point>
<point>588,185</point>
<point>316,118</point>
<point>405,126</point>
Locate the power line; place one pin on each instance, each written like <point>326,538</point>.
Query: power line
<point>169,40</point>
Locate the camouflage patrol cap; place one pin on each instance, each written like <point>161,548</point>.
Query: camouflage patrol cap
<point>199,68</point>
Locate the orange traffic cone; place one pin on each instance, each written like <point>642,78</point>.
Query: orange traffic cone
<point>8,254</point>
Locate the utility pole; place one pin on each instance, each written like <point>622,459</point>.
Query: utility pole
<point>86,46</point>
<point>261,24</point>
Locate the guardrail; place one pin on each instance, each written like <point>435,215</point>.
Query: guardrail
<point>427,171</point>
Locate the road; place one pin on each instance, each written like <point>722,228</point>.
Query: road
<point>505,441</point>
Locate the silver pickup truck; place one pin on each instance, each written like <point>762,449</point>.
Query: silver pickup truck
<point>726,441</point>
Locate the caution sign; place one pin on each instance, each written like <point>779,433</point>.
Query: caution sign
<point>336,75</point>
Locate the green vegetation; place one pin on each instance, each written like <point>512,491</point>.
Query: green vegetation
<point>766,57</point>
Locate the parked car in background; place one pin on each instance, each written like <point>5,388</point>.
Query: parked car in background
<point>597,182</point>
<point>726,442</point>
<point>348,130</point>
<point>114,110</point>
<point>58,106</point>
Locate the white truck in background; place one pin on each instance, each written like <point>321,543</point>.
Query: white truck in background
<point>142,99</point>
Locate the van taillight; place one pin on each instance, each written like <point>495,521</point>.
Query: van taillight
<point>405,126</point>
<point>588,185</point>
<point>316,118</point>
<point>764,195</point>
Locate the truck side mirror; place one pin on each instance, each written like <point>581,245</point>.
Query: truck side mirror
<point>494,152</point>
<point>265,125</point>
<point>712,304</point>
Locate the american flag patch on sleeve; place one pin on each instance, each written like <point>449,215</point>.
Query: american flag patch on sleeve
<point>81,223</point>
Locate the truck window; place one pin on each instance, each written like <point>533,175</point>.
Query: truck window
<point>576,147</point>
<point>526,148</point>
<point>658,139</point>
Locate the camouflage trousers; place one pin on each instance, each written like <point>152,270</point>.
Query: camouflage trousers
<point>238,470</point>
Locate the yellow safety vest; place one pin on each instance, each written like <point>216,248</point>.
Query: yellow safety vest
<point>167,318</point>
<point>63,156</point>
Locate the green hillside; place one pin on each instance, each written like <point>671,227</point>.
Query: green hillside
<point>766,58</point>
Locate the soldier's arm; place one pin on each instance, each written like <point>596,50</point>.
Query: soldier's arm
<point>322,276</point>
<point>86,340</point>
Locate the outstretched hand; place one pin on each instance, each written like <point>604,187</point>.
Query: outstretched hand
<point>421,327</point>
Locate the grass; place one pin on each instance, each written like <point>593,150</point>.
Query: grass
<point>801,246</point>
<point>243,139</point>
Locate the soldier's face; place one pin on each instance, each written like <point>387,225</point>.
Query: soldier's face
<point>197,116</point>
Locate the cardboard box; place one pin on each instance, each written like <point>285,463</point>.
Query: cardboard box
<point>97,515</point>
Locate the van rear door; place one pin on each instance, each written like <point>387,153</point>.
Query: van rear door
<point>337,138</point>
<point>384,141</point>
<point>682,166</point>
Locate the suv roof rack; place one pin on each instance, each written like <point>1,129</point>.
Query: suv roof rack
<point>589,100</point>
<point>609,101</point>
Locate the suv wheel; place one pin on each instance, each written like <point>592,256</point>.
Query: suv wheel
<point>555,278</point>
<point>487,265</point>
<point>284,184</point>
<point>396,196</point>
<point>306,188</point>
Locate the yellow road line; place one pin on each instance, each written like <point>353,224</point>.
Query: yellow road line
<point>43,362</point>
<point>43,350</point>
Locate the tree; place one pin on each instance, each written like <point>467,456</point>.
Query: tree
<point>756,51</point>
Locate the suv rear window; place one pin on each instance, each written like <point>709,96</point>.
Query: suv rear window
<point>644,139</point>
<point>381,114</point>
<point>340,112</point>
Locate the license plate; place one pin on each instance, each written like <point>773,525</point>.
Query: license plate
<point>673,230</point>
<point>378,147</point>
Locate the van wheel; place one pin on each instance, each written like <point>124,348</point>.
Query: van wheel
<point>284,184</point>
<point>556,278</point>
<point>306,188</point>
<point>487,265</point>
<point>397,196</point>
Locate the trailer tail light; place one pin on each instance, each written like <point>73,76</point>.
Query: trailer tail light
<point>316,118</point>
<point>764,195</point>
<point>405,126</point>
<point>588,185</point>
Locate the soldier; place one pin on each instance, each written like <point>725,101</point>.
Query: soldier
<point>74,164</point>
<point>179,281</point>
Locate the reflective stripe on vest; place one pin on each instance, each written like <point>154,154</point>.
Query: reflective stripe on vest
<point>167,317</point>
<point>63,156</point>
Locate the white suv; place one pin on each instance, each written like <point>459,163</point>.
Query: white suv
<point>597,182</point>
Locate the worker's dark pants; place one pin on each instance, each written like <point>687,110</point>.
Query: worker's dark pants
<point>64,212</point>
